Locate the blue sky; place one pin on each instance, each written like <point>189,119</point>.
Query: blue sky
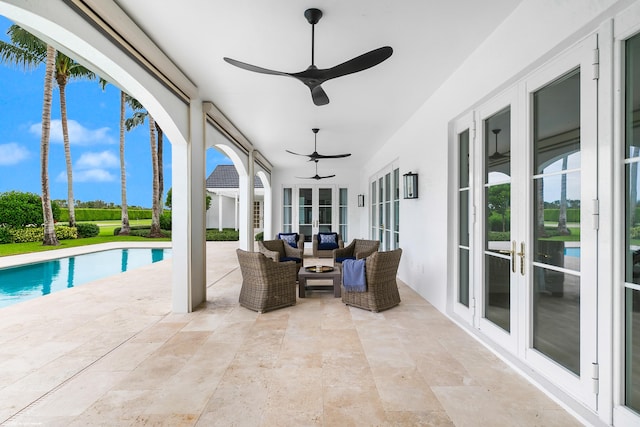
<point>93,116</point>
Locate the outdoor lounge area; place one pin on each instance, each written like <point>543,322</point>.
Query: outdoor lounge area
<point>112,353</point>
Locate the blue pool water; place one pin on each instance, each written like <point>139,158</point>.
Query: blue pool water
<point>29,281</point>
<point>572,252</point>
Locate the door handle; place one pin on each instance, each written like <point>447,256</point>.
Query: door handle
<point>512,254</point>
<point>521,255</point>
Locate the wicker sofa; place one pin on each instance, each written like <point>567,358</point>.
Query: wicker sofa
<point>266,285</point>
<point>382,293</point>
<point>321,250</point>
<point>357,249</point>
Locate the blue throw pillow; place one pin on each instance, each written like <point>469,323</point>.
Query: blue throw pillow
<point>290,238</point>
<point>327,241</point>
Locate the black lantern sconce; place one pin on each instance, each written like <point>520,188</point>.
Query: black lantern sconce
<point>360,200</point>
<point>410,185</point>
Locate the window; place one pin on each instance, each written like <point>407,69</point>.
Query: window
<point>287,209</point>
<point>343,213</point>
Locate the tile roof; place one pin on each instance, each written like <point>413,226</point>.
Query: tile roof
<point>226,176</point>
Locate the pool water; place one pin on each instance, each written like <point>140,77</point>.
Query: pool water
<point>30,281</point>
<point>575,252</point>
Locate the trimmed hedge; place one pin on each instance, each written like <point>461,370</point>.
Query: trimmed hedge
<point>36,234</point>
<point>88,214</point>
<point>226,235</point>
<point>552,215</point>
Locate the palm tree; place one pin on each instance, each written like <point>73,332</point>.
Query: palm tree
<point>27,52</point>
<point>125,229</point>
<point>138,118</point>
<point>66,69</point>
<point>50,238</point>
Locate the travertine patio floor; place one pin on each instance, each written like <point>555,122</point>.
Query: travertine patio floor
<point>111,353</point>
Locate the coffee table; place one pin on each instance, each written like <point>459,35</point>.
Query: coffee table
<point>308,273</point>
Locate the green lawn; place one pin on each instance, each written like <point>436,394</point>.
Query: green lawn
<point>105,236</point>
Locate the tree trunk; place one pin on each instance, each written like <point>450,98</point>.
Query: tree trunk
<point>562,216</point>
<point>540,207</point>
<point>62,85</point>
<point>155,211</point>
<point>160,168</point>
<point>125,229</point>
<point>50,238</point>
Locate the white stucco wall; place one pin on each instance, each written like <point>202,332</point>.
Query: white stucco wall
<point>535,31</point>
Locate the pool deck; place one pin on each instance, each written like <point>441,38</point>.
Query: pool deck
<point>111,353</point>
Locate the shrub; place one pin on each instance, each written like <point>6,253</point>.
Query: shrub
<point>5,234</point>
<point>86,229</point>
<point>95,214</point>
<point>226,234</point>
<point>165,220</point>
<point>36,234</point>
<point>116,231</point>
<point>19,209</point>
<point>635,232</point>
<point>499,236</point>
<point>144,232</point>
<point>260,236</point>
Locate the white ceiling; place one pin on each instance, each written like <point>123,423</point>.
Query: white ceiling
<point>430,38</point>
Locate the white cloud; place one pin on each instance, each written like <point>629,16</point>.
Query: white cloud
<point>78,134</point>
<point>88,175</point>
<point>12,153</point>
<point>102,160</point>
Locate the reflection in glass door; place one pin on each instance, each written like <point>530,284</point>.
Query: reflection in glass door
<point>498,251</point>
<point>306,220</point>
<point>631,324</point>
<point>556,212</point>
<point>316,210</point>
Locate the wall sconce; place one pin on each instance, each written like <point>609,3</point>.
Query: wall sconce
<point>360,200</point>
<point>410,185</point>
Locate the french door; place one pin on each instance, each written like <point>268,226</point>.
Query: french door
<point>317,210</point>
<point>527,210</point>
<point>385,208</point>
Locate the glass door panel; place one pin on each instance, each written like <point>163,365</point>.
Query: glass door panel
<point>325,210</point>
<point>556,213</point>
<point>305,213</point>
<point>631,325</point>
<point>497,220</point>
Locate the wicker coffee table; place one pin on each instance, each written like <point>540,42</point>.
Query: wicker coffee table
<point>312,273</point>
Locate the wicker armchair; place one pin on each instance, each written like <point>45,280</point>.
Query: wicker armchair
<point>325,252</point>
<point>280,251</point>
<point>357,249</point>
<point>266,285</point>
<point>382,293</point>
<point>299,239</point>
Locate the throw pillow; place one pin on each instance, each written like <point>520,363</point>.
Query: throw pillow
<point>329,238</point>
<point>290,238</point>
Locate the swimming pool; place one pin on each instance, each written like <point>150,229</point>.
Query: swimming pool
<point>30,281</point>
<point>572,251</point>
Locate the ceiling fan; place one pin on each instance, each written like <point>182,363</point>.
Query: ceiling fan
<point>313,77</point>
<point>315,156</point>
<point>316,176</point>
<point>497,155</point>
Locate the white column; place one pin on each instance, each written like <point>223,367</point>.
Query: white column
<point>219,212</point>
<point>237,204</point>
<point>188,216</point>
<point>251,198</point>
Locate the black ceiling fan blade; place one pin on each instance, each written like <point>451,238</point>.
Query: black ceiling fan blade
<point>319,96</point>
<point>255,68</point>
<point>328,156</point>
<point>359,63</point>
<point>298,154</point>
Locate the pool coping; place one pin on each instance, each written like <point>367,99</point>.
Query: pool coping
<point>33,257</point>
